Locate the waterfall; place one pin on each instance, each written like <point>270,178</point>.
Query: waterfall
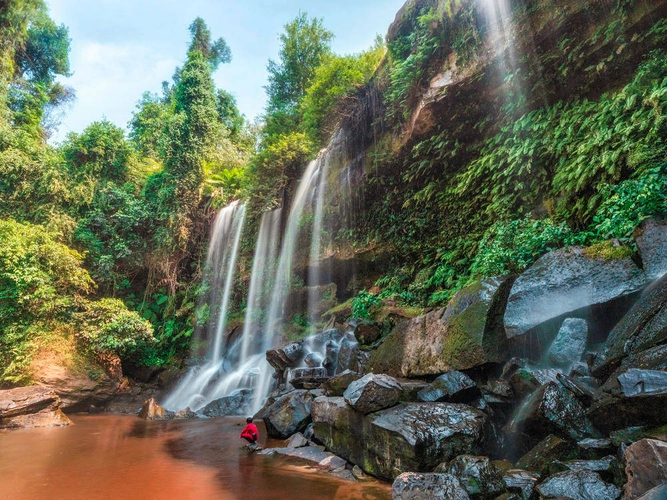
<point>219,273</point>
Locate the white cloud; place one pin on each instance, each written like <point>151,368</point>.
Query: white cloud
<point>109,78</point>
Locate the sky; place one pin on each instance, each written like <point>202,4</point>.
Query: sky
<point>123,48</point>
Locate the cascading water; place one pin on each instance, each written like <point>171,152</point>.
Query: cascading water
<point>220,270</point>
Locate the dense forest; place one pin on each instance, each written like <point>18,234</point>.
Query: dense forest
<point>102,237</point>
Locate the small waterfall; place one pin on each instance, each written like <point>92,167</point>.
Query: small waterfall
<point>219,276</point>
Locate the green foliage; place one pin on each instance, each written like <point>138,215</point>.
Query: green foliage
<point>510,247</point>
<point>303,46</point>
<point>108,326</point>
<point>149,124</point>
<point>365,304</point>
<point>334,82</point>
<point>214,52</point>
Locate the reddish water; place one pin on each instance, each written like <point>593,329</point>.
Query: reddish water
<point>121,457</point>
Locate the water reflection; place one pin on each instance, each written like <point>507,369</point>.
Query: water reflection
<point>121,457</point>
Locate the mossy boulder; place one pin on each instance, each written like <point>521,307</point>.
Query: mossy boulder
<point>465,334</point>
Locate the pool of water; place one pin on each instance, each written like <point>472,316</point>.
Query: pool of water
<point>123,457</point>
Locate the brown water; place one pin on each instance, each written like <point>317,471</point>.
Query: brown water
<point>122,457</point>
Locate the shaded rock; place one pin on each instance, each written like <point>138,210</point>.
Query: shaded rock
<point>453,387</point>
<point>290,413</point>
<point>151,410</point>
<point>296,441</point>
<point>466,334</point>
<point>419,435</point>
<point>308,378</point>
<point>551,409</point>
<point>595,448</point>
<point>410,390</point>
<point>569,344</point>
<point>313,360</point>
<point>521,481</point>
<point>288,356</point>
<point>32,406</point>
<point>311,455</point>
<point>360,475</point>
<point>608,467</point>
<point>237,403</point>
<point>657,493</point>
<point>477,475</point>
<point>348,356</point>
<point>578,485</point>
<point>528,379</point>
<point>417,486</point>
<point>366,332</point>
<point>372,392</point>
<point>643,327</point>
<point>580,391</point>
<point>646,467</point>
<point>185,413</point>
<point>634,394</point>
<point>336,385</point>
<point>651,239</point>
<point>545,458</point>
<point>564,281</point>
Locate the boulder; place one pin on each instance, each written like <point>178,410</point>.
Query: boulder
<point>313,360</point>
<point>297,441</point>
<point>410,390</point>
<point>552,409</point>
<point>466,334</point>
<point>477,475</point>
<point>151,410</point>
<point>308,378</point>
<point>453,387</point>
<point>349,356</point>
<point>635,394</point>
<point>416,486</point>
<point>366,332</point>
<point>528,379</point>
<point>545,458</point>
<point>646,467</point>
<point>608,467</point>
<point>288,356</point>
<point>290,413</point>
<point>419,435</point>
<point>578,485</point>
<point>372,393</point>
<point>237,403</point>
<point>521,482</point>
<point>336,385</point>
<point>311,455</point>
<point>642,328</point>
<point>32,406</point>
<point>565,281</point>
<point>651,239</point>
<point>569,344</point>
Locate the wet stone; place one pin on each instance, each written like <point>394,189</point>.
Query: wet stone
<point>521,481</point>
<point>578,485</point>
<point>569,344</point>
<point>290,413</point>
<point>418,486</point>
<point>313,360</point>
<point>372,393</point>
<point>308,378</point>
<point>646,466</point>
<point>452,387</point>
<point>288,356</point>
<point>546,457</point>
<point>237,403</point>
<point>478,476</point>
<point>297,441</point>
<point>657,493</point>
<point>637,382</point>
<point>336,385</point>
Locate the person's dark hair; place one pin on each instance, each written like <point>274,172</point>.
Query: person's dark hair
<point>248,420</point>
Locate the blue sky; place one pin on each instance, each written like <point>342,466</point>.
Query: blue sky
<point>122,48</point>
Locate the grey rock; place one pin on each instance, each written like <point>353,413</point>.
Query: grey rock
<point>417,486</point>
<point>313,456</point>
<point>313,360</point>
<point>372,393</point>
<point>419,435</point>
<point>545,458</point>
<point>290,413</point>
<point>551,409</point>
<point>565,281</point>
<point>651,239</point>
<point>453,387</point>
<point>578,485</point>
<point>637,382</point>
<point>569,344</point>
<point>521,481</point>
<point>366,332</point>
<point>477,475</point>
<point>285,357</point>
<point>297,441</point>
<point>336,385</point>
<point>237,403</point>
<point>308,378</point>
<point>657,493</point>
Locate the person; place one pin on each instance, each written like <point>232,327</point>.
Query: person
<point>250,434</point>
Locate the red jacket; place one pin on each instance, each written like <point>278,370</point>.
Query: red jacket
<point>250,432</point>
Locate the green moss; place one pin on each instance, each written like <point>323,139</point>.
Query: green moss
<point>608,250</point>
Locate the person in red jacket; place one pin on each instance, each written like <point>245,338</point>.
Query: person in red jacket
<point>250,434</point>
